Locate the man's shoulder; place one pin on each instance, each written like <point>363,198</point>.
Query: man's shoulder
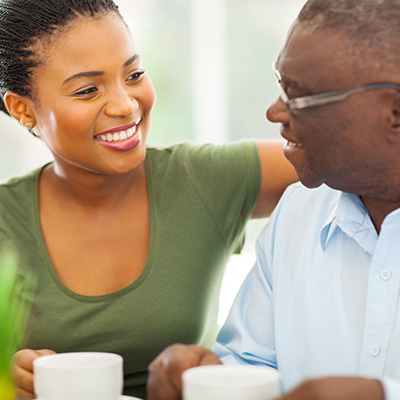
<point>297,221</point>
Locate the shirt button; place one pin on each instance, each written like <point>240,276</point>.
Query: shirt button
<point>374,351</point>
<point>385,274</point>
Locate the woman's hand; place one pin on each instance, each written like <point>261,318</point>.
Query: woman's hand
<point>165,381</point>
<point>23,371</point>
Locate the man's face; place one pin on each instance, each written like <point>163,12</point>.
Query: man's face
<point>341,144</point>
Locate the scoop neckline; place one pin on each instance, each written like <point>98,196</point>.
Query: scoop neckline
<point>50,267</point>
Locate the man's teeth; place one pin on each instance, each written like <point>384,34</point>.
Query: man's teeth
<point>118,136</point>
<point>291,144</point>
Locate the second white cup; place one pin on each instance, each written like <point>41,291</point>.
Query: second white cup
<point>230,382</point>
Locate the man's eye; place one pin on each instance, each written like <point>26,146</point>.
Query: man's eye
<point>85,92</point>
<point>291,92</point>
<point>136,76</point>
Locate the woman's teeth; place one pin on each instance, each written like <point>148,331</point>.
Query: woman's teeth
<point>118,136</point>
<point>291,144</point>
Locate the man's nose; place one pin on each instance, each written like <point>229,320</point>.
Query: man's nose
<point>278,112</point>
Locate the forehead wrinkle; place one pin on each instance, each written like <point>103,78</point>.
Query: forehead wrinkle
<point>343,59</point>
<point>363,54</point>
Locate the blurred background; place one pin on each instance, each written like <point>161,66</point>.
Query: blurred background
<point>210,62</point>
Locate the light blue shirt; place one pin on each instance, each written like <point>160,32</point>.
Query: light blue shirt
<point>323,296</point>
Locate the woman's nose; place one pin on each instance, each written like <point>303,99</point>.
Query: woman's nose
<point>277,112</point>
<point>121,104</point>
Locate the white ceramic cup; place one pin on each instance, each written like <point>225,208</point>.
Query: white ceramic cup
<point>230,382</point>
<point>78,376</point>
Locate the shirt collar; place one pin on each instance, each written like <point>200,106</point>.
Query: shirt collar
<point>351,216</point>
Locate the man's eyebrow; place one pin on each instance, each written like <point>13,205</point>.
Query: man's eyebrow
<point>293,84</point>
<point>287,81</point>
<point>89,74</point>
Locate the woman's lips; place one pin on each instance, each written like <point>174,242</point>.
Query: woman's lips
<point>117,136</point>
<point>122,140</point>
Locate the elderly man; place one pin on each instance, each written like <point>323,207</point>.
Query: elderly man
<point>322,302</point>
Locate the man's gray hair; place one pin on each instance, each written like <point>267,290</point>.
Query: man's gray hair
<point>373,25</point>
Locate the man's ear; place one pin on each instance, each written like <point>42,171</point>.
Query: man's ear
<point>394,128</point>
<point>20,108</point>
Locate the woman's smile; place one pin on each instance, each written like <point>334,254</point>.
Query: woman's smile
<point>121,139</point>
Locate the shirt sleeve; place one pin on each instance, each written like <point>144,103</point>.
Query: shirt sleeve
<point>391,388</point>
<point>227,179</point>
<point>247,336</point>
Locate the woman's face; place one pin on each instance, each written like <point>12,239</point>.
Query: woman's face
<point>93,101</point>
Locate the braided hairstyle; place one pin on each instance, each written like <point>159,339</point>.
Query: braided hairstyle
<point>23,23</point>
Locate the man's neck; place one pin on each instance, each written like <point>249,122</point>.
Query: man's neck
<point>378,210</point>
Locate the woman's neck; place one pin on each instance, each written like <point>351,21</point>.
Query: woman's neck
<point>86,189</point>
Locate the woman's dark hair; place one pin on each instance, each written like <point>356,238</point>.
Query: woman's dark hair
<point>23,23</point>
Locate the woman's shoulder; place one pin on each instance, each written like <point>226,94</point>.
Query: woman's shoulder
<point>203,153</point>
<point>21,187</point>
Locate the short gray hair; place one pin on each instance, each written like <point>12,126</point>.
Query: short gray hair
<point>372,25</point>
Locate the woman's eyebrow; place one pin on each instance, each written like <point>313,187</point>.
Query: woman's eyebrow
<point>131,60</point>
<point>82,75</point>
<point>90,74</point>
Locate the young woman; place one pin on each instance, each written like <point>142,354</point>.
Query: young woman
<point>128,243</point>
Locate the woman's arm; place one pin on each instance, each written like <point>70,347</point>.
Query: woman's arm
<point>276,174</point>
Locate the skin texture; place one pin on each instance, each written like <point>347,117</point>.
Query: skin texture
<point>351,146</point>
<point>85,195</point>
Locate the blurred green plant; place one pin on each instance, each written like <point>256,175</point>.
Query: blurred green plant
<point>13,316</point>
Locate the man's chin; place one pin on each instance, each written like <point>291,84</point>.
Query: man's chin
<point>311,182</point>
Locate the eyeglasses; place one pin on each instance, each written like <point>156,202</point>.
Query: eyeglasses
<point>323,98</point>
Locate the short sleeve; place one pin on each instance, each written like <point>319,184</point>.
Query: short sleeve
<point>227,178</point>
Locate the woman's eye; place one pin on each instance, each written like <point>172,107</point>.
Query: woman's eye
<point>87,92</point>
<point>136,76</point>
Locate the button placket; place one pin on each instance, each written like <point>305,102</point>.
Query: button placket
<point>382,300</point>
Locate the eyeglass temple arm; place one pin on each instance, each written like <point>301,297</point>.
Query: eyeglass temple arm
<point>317,100</point>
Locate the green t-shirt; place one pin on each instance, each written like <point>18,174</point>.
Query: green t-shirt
<point>200,199</point>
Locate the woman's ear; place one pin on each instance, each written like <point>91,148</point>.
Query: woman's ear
<point>20,108</point>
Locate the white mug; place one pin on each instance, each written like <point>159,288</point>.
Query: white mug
<point>78,376</point>
<point>230,382</point>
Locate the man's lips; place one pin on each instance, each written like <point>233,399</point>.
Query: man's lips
<point>290,141</point>
<point>291,145</point>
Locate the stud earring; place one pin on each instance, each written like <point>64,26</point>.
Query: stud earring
<point>28,125</point>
